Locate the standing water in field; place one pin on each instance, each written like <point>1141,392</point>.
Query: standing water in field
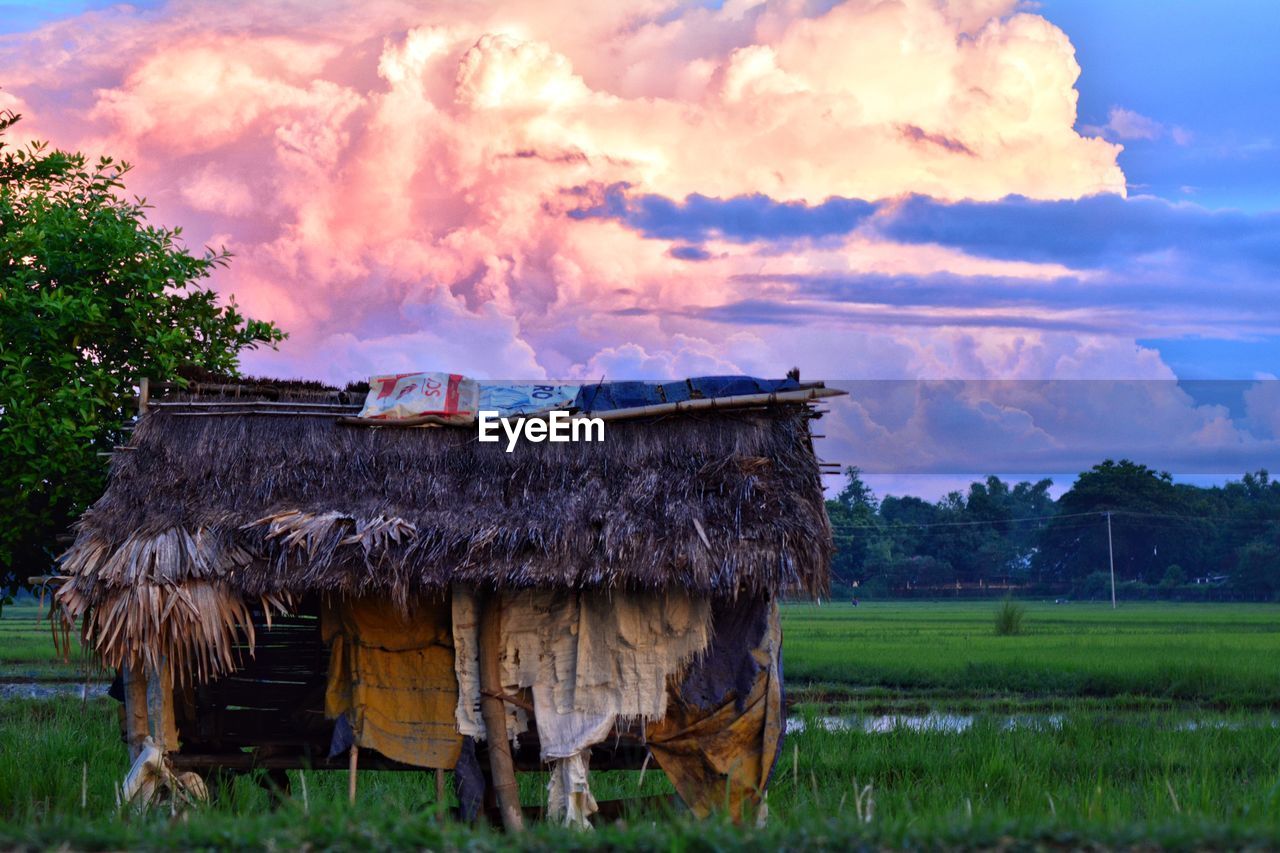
<point>47,690</point>
<point>958,723</point>
<point>931,722</point>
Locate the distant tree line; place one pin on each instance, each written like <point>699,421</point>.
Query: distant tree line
<point>1169,540</point>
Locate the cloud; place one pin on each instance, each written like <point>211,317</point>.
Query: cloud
<point>396,175</point>
<point>1093,231</point>
<point>1049,428</point>
<point>917,134</point>
<point>868,189</point>
<point>1098,265</point>
<point>689,253</point>
<point>742,219</point>
<point>211,191</point>
<point>1127,125</point>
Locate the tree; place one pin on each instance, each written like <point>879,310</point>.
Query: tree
<point>92,298</point>
<point>1152,526</point>
<point>856,528</point>
<point>1257,573</point>
<point>1174,577</point>
<point>906,520</point>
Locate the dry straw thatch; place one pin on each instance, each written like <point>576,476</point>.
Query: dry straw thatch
<point>208,513</point>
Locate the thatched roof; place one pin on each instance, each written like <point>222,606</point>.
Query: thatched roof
<point>206,514</point>
<point>721,503</point>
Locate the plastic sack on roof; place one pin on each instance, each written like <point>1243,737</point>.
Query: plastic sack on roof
<point>450,397</point>
<point>525,399</point>
<point>604,396</point>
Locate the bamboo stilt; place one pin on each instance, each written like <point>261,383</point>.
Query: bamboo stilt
<point>352,761</point>
<point>161,721</point>
<point>502,768</point>
<point>135,710</point>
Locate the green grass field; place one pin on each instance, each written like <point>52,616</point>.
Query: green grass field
<point>1221,655</point>
<point>1151,724</point>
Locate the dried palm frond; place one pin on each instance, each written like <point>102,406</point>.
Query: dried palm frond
<point>196,628</point>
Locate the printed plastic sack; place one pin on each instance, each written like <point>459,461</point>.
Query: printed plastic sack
<point>448,396</point>
<point>525,399</point>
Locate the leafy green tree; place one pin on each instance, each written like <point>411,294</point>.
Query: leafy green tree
<point>1174,577</point>
<point>92,298</point>
<point>1257,571</point>
<point>973,550</point>
<point>1153,525</point>
<point>856,528</point>
<point>906,523</point>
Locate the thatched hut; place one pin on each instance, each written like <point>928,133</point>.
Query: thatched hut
<point>283,586</point>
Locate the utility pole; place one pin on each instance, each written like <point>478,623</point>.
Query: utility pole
<point>1111,558</point>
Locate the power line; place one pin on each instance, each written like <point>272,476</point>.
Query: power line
<point>1101,514</point>
<point>963,523</point>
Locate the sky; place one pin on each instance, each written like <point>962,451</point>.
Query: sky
<point>870,190</point>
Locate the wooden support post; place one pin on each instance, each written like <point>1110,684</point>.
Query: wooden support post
<point>352,761</point>
<point>135,709</point>
<point>161,723</point>
<point>495,718</point>
<point>439,787</point>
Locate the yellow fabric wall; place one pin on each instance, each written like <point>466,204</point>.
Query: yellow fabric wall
<point>392,673</point>
<point>719,758</point>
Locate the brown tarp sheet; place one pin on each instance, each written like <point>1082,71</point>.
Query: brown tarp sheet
<point>721,757</point>
<point>391,672</point>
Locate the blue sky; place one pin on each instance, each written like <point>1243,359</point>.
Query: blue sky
<point>18,16</point>
<point>1213,70</point>
<point>1209,68</point>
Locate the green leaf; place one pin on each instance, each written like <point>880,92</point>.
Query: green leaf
<point>99,298</point>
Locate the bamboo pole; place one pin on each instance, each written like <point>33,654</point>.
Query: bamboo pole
<point>741,401</point>
<point>160,717</point>
<point>711,403</point>
<point>502,768</point>
<point>319,413</point>
<point>224,404</point>
<point>352,761</point>
<point>135,710</point>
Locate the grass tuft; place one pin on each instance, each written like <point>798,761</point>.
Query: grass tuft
<point>1010,617</point>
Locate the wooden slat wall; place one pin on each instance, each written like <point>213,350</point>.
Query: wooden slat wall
<point>275,699</point>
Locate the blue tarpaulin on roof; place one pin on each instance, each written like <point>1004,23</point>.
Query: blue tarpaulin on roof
<point>605,396</point>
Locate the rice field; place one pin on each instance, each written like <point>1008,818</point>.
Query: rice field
<point>1075,733</point>
<point>1219,655</point>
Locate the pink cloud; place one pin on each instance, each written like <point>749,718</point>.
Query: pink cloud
<point>391,176</point>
